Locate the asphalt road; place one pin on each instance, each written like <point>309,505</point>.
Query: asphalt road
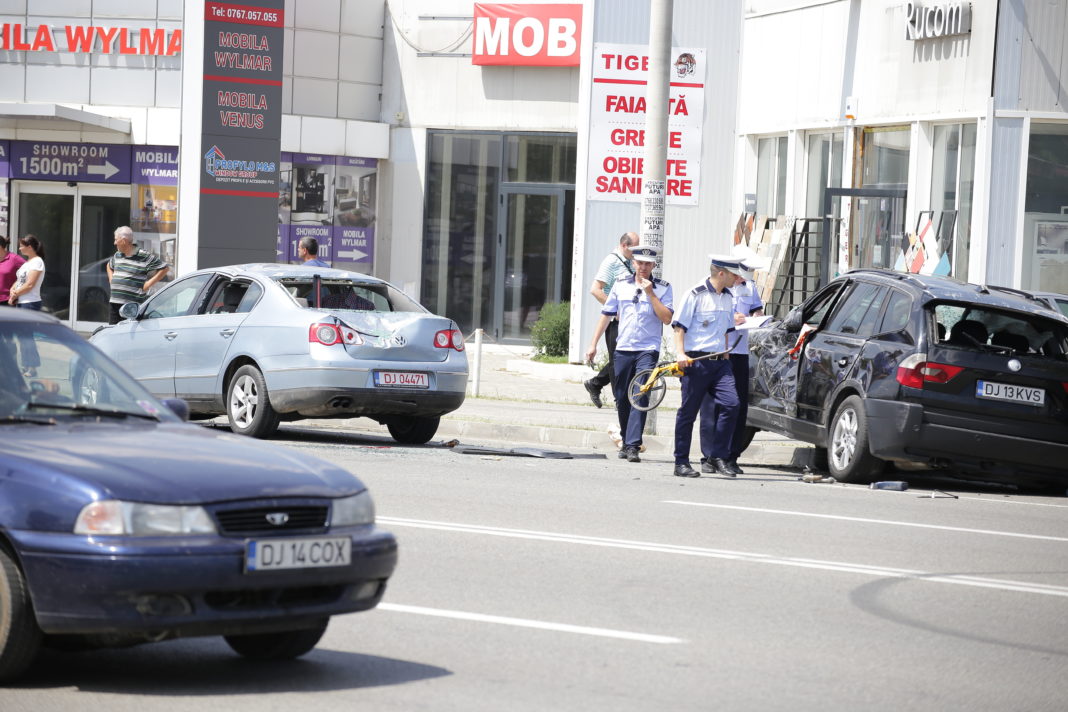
<point>532,584</point>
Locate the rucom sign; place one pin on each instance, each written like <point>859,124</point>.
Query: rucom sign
<point>924,23</point>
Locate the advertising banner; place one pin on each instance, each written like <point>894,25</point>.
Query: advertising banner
<point>81,162</point>
<point>527,35</point>
<point>355,192</point>
<point>155,190</point>
<point>240,143</point>
<point>617,124</point>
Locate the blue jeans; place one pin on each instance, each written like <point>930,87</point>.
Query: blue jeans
<point>36,306</point>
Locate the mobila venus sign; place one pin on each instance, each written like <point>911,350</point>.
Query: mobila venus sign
<point>86,39</point>
<point>527,35</point>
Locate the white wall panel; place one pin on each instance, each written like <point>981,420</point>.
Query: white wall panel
<point>317,15</point>
<point>322,135</point>
<point>14,7</point>
<point>366,139</point>
<point>122,86</point>
<point>1043,60</point>
<point>161,126</point>
<point>360,60</point>
<point>119,8</point>
<point>315,54</point>
<point>363,17</point>
<point>12,82</point>
<point>358,101</point>
<point>314,97</point>
<point>58,84</point>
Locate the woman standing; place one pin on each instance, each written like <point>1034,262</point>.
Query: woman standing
<point>26,292</point>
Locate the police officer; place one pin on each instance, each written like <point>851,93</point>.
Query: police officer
<point>642,304</point>
<point>702,323</point>
<point>747,303</point>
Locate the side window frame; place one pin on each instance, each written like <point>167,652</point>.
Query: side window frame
<point>195,305</point>
<point>864,326</point>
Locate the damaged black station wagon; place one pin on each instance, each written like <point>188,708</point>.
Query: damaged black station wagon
<point>920,371</point>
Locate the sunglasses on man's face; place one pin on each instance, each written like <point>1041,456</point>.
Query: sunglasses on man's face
<point>637,295</point>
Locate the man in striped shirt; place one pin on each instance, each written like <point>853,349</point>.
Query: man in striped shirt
<point>131,272</point>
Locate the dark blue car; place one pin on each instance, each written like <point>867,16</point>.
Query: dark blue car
<point>121,524</point>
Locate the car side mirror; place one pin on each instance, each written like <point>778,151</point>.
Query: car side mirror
<point>129,310</point>
<point>178,406</point>
<point>793,322</point>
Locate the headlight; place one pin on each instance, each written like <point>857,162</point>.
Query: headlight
<point>112,517</point>
<point>349,511</point>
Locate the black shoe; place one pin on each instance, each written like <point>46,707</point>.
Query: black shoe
<point>720,467</point>
<point>595,393</point>
<point>684,470</point>
<point>706,467</point>
<point>733,462</point>
<point>622,454</point>
<point>632,455</point>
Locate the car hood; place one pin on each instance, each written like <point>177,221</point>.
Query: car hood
<point>172,463</point>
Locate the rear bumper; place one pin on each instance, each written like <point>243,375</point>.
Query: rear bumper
<point>83,587</point>
<point>897,431</point>
<point>336,389</point>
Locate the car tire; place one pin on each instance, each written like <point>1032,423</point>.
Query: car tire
<point>248,405</point>
<point>20,638</point>
<point>412,430</point>
<point>848,456</point>
<point>284,645</point>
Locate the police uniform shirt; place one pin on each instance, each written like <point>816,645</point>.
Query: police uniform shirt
<point>707,316</point>
<point>640,329</point>
<point>746,301</point>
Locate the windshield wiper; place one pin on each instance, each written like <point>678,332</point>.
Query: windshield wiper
<point>17,419</point>
<point>90,410</point>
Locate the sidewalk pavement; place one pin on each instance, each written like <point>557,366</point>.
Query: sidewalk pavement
<point>524,402</point>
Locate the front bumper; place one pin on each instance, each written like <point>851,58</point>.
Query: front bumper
<point>897,431</point>
<point>194,586</point>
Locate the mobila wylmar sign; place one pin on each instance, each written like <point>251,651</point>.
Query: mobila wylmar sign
<point>86,39</point>
<point>527,35</point>
<point>933,21</point>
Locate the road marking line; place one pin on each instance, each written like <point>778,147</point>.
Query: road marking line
<point>1013,501</point>
<point>871,521</point>
<point>842,567</point>
<point>525,623</point>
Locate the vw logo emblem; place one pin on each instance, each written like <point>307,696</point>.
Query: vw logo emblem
<point>1014,365</point>
<point>277,518</point>
<point>399,340</point>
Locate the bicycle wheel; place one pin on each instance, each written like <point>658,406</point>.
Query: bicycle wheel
<point>652,396</point>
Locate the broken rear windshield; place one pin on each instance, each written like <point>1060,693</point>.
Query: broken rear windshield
<point>349,295</point>
<point>970,326</point>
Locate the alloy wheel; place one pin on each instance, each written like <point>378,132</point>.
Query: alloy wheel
<point>244,399</point>
<point>844,440</point>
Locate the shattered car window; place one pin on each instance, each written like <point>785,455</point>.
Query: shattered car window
<point>968,326</point>
<point>350,295</point>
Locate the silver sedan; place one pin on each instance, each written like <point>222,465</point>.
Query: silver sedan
<point>262,343</point>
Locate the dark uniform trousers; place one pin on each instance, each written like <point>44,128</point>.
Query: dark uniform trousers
<point>740,369</point>
<point>631,420</point>
<point>606,375</point>
<point>710,379</point>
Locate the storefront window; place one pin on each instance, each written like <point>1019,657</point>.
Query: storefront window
<point>495,247</point>
<point>824,169</point>
<point>952,186</point>
<point>771,175</point>
<point>884,157</point>
<point>1045,248</point>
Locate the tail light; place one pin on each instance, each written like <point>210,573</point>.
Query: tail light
<point>449,339</point>
<point>330,334</point>
<point>916,370</point>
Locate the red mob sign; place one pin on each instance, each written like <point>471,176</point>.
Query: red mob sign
<point>528,35</point>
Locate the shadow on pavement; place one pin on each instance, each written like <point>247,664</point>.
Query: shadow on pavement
<point>205,666</point>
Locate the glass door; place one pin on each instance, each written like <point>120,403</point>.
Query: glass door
<point>534,262</point>
<point>865,228</point>
<point>75,224</point>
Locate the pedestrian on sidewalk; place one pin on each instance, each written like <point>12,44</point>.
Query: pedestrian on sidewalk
<point>9,267</point>
<point>615,265</point>
<point>747,303</point>
<point>704,318</point>
<point>131,273</point>
<point>641,305</point>
<point>308,252</point>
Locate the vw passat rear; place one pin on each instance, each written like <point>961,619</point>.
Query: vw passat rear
<point>264,343</point>
<point>122,524</point>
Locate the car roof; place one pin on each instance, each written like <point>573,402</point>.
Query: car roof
<point>274,270</point>
<point>934,287</point>
<point>26,315</point>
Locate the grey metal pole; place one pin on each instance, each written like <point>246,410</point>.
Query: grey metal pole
<point>654,173</point>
